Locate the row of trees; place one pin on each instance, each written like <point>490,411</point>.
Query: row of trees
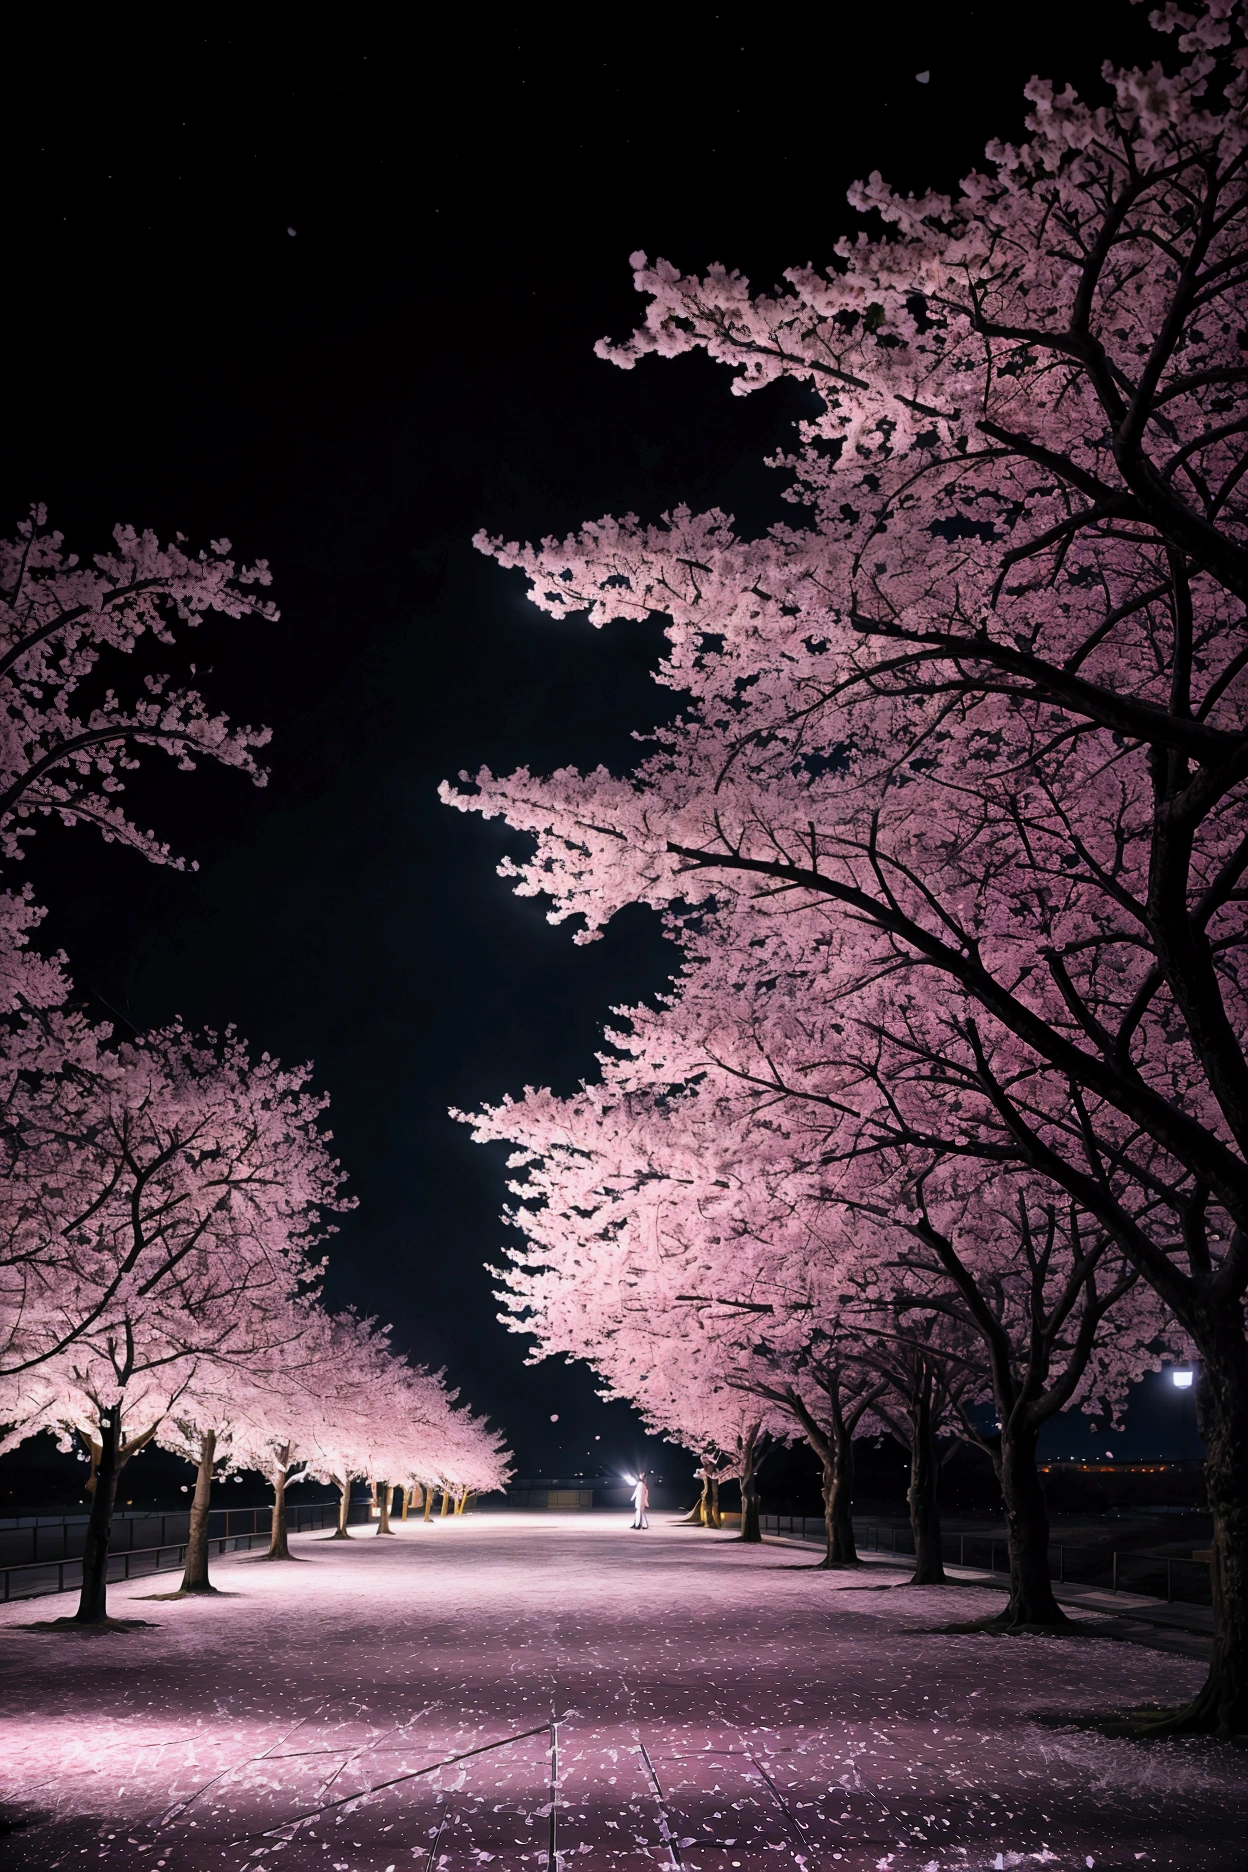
<point>945,1120</point>
<point>164,1200</point>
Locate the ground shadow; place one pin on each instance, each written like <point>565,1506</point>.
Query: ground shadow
<point>1134,1725</point>
<point>74,1626</point>
<point>212,1592</point>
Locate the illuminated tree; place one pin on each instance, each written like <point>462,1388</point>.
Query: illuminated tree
<point>972,725</point>
<point>66,736</point>
<point>182,1189</point>
<point>67,740</point>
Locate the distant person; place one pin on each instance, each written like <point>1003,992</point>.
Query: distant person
<point>641,1501</point>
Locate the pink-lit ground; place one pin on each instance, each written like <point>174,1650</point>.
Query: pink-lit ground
<point>787,1717</point>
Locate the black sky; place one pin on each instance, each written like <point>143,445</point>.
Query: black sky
<point>353,400</point>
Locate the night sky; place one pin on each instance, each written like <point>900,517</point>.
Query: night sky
<point>329,285</point>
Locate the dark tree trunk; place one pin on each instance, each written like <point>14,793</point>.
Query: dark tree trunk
<point>93,1598</point>
<point>827,1482</point>
<point>383,1504</point>
<point>195,1577</point>
<point>1221,1705</point>
<point>751,1502</point>
<point>921,1496</point>
<point>279,1547</point>
<point>1027,1526</point>
<point>835,1449</point>
<point>838,1504</point>
<point>713,1516</point>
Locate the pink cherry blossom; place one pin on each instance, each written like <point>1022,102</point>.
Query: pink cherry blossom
<point>951,826</point>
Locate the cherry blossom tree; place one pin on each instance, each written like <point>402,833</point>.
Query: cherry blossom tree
<point>972,723</point>
<point>927,1382</point>
<point>183,1190</point>
<point>831,1396</point>
<point>199,1427</point>
<point>392,1424</point>
<point>355,1377</point>
<point>1047,1315</point>
<point>67,738</point>
<point>712,1214</point>
<point>601,1275</point>
<point>41,1038</point>
<point>234,1409</point>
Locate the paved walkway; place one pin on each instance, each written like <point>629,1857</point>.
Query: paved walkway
<point>685,1700</point>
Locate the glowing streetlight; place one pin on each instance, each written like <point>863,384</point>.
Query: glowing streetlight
<point>1181,1379</point>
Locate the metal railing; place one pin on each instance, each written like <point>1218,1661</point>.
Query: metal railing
<point>62,1537</point>
<point>1157,1576</point>
<point>34,1578</point>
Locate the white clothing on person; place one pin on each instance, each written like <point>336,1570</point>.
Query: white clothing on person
<point>641,1501</point>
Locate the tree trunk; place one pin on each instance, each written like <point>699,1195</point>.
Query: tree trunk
<point>838,1504</point>
<point>407,1502</point>
<point>461,1501</point>
<point>714,1517</point>
<point>751,1503</point>
<point>383,1505</point>
<point>93,1598</point>
<point>921,1497</point>
<point>372,1500</point>
<point>835,1450</point>
<point>428,1504</point>
<point>195,1577</point>
<point>446,1504</point>
<point>1221,1705</point>
<point>1027,1526</point>
<point>279,1548</point>
<point>344,1508</point>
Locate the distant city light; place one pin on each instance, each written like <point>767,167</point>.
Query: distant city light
<point>554,1416</point>
<point>1181,1380</point>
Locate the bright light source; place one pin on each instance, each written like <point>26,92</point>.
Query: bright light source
<point>1181,1380</point>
